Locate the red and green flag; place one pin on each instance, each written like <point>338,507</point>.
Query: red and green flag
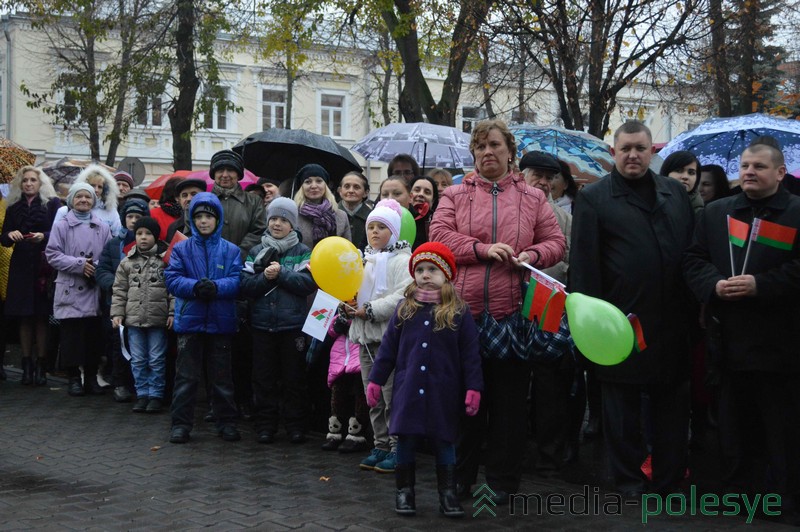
<point>638,334</point>
<point>737,231</point>
<point>772,234</point>
<point>536,297</point>
<point>553,311</point>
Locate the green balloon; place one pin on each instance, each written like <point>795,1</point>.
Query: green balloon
<point>600,330</point>
<point>408,227</point>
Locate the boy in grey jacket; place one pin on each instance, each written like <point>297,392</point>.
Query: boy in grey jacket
<point>140,301</point>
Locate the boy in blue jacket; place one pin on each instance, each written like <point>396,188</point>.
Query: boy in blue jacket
<point>203,275</point>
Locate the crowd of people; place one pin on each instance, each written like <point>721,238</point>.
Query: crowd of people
<point>212,289</point>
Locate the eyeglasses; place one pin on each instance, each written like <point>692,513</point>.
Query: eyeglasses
<point>538,174</point>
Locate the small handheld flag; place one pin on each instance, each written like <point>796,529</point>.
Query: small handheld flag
<point>737,231</point>
<point>772,234</point>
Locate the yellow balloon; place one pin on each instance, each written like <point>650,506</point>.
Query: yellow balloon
<point>337,267</point>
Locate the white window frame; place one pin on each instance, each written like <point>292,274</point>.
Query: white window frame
<point>482,115</point>
<point>149,111</point>
<point>215,113</point>
<point>345,125</point>
<point>272,105</point>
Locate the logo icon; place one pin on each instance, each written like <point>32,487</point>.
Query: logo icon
<point>320,314</point>
<point>483,500</point>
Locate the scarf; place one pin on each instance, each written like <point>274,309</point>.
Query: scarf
<point>375,282</point>
<point>428,296</point>
<point>224,193</point>
<point>172,209</point>
<point>83,217</point>
<point>280,246</point>
<point>322,217</point>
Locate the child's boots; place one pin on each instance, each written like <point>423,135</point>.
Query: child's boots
<point>334,438</point>
<point>355,442</point>
<point>405,477</point>
<point>448,501</point>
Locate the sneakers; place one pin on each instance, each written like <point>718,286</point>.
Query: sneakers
<point>229,433</point>
<point>388,464</point>
<point>376,456</point>
<point>141,404</point>
<point>154,405</point>
<point>122,394</point>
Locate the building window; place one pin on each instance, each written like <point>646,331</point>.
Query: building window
<point>273,109</point>
<point>149,111</point>
<point>70,106</point>
<point>331,114</point>
<point>523,116</point>
<point>471,116</point>
<point>218,117</point>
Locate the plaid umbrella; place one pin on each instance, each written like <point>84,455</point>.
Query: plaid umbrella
<point>12,158</point>
<point>588,157</point>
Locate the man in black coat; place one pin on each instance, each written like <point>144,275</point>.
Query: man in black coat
<point>757,316</point>
<point>629,232</point>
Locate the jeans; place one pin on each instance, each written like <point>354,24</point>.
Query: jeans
<point>407,446</point>
<point>192,348</point>
<point>148,360</point>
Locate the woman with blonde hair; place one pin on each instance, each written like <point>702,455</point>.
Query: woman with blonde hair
<point>319,217</point>
<point>107,193</point>
<point>32,207</point>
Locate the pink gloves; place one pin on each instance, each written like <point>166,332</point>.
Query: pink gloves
<point>473,402</point>
<point>373,394</point>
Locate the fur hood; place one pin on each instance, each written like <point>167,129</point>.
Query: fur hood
<point>110,189</point>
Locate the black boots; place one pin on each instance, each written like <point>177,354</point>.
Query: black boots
<point>405,477</point>
<point>39,374</point>
<point>27,371</point>
<point>75,387</point>
<point>91,386</point>
<point>448,500</point>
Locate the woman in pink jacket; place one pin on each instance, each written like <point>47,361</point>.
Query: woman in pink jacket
<point>494,221</point>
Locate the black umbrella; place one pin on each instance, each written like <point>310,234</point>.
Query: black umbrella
<point>280,153</point>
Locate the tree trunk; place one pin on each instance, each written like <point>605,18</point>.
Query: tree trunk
<point>746,89</point>
<point>484,75</point>
<point>722,89</point>
<point>182,111</point>
<point>92,120</point>
<point>126,37</point>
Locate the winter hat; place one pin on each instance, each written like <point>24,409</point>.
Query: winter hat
<point>227,159</point>
<point>125,177</point>
<point>270,180</point>
<point>437,254</point>
<point>309,170</point>
<point>77,187</point>
<point>199,183</point>
<point>134,206</point>
<point>206,208</point>
<point>540,160</point>
<point>389,213</point>
<point>285,208</point>
<point>148,223</point>
<point>138,193</point>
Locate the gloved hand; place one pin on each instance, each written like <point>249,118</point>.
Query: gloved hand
<point>373,394</point>
<point>205,289</point>
<point>473,402</point>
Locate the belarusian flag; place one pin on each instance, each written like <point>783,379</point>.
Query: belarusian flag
<point>536,297</point>
<point>552,314</point>
<point>737,231</point>
<point>772,234</point>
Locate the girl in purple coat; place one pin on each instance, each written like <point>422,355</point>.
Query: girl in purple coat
<point>431,343</point>
<point>74,247</point>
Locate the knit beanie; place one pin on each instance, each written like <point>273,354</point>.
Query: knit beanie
<point>437,254</point>
<point>134,206</point>
<point>227,159</point>
<point>285,208</point>
<point>124,177</point>
<point>389,213</point>
<point>309,170</point>
<point>148,223</point>
<point>75,188</point>
<point>270,180</point>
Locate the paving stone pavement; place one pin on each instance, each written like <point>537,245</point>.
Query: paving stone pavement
<point>88,463</point>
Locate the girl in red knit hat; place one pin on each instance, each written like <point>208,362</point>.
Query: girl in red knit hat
<point>432,345</point>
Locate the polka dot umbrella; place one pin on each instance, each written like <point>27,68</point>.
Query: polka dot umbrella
<point>12,158</point>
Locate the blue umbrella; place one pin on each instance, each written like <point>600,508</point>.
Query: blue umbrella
<point>432,146</point>
<point>588,157</point>
<point>722,140</point>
